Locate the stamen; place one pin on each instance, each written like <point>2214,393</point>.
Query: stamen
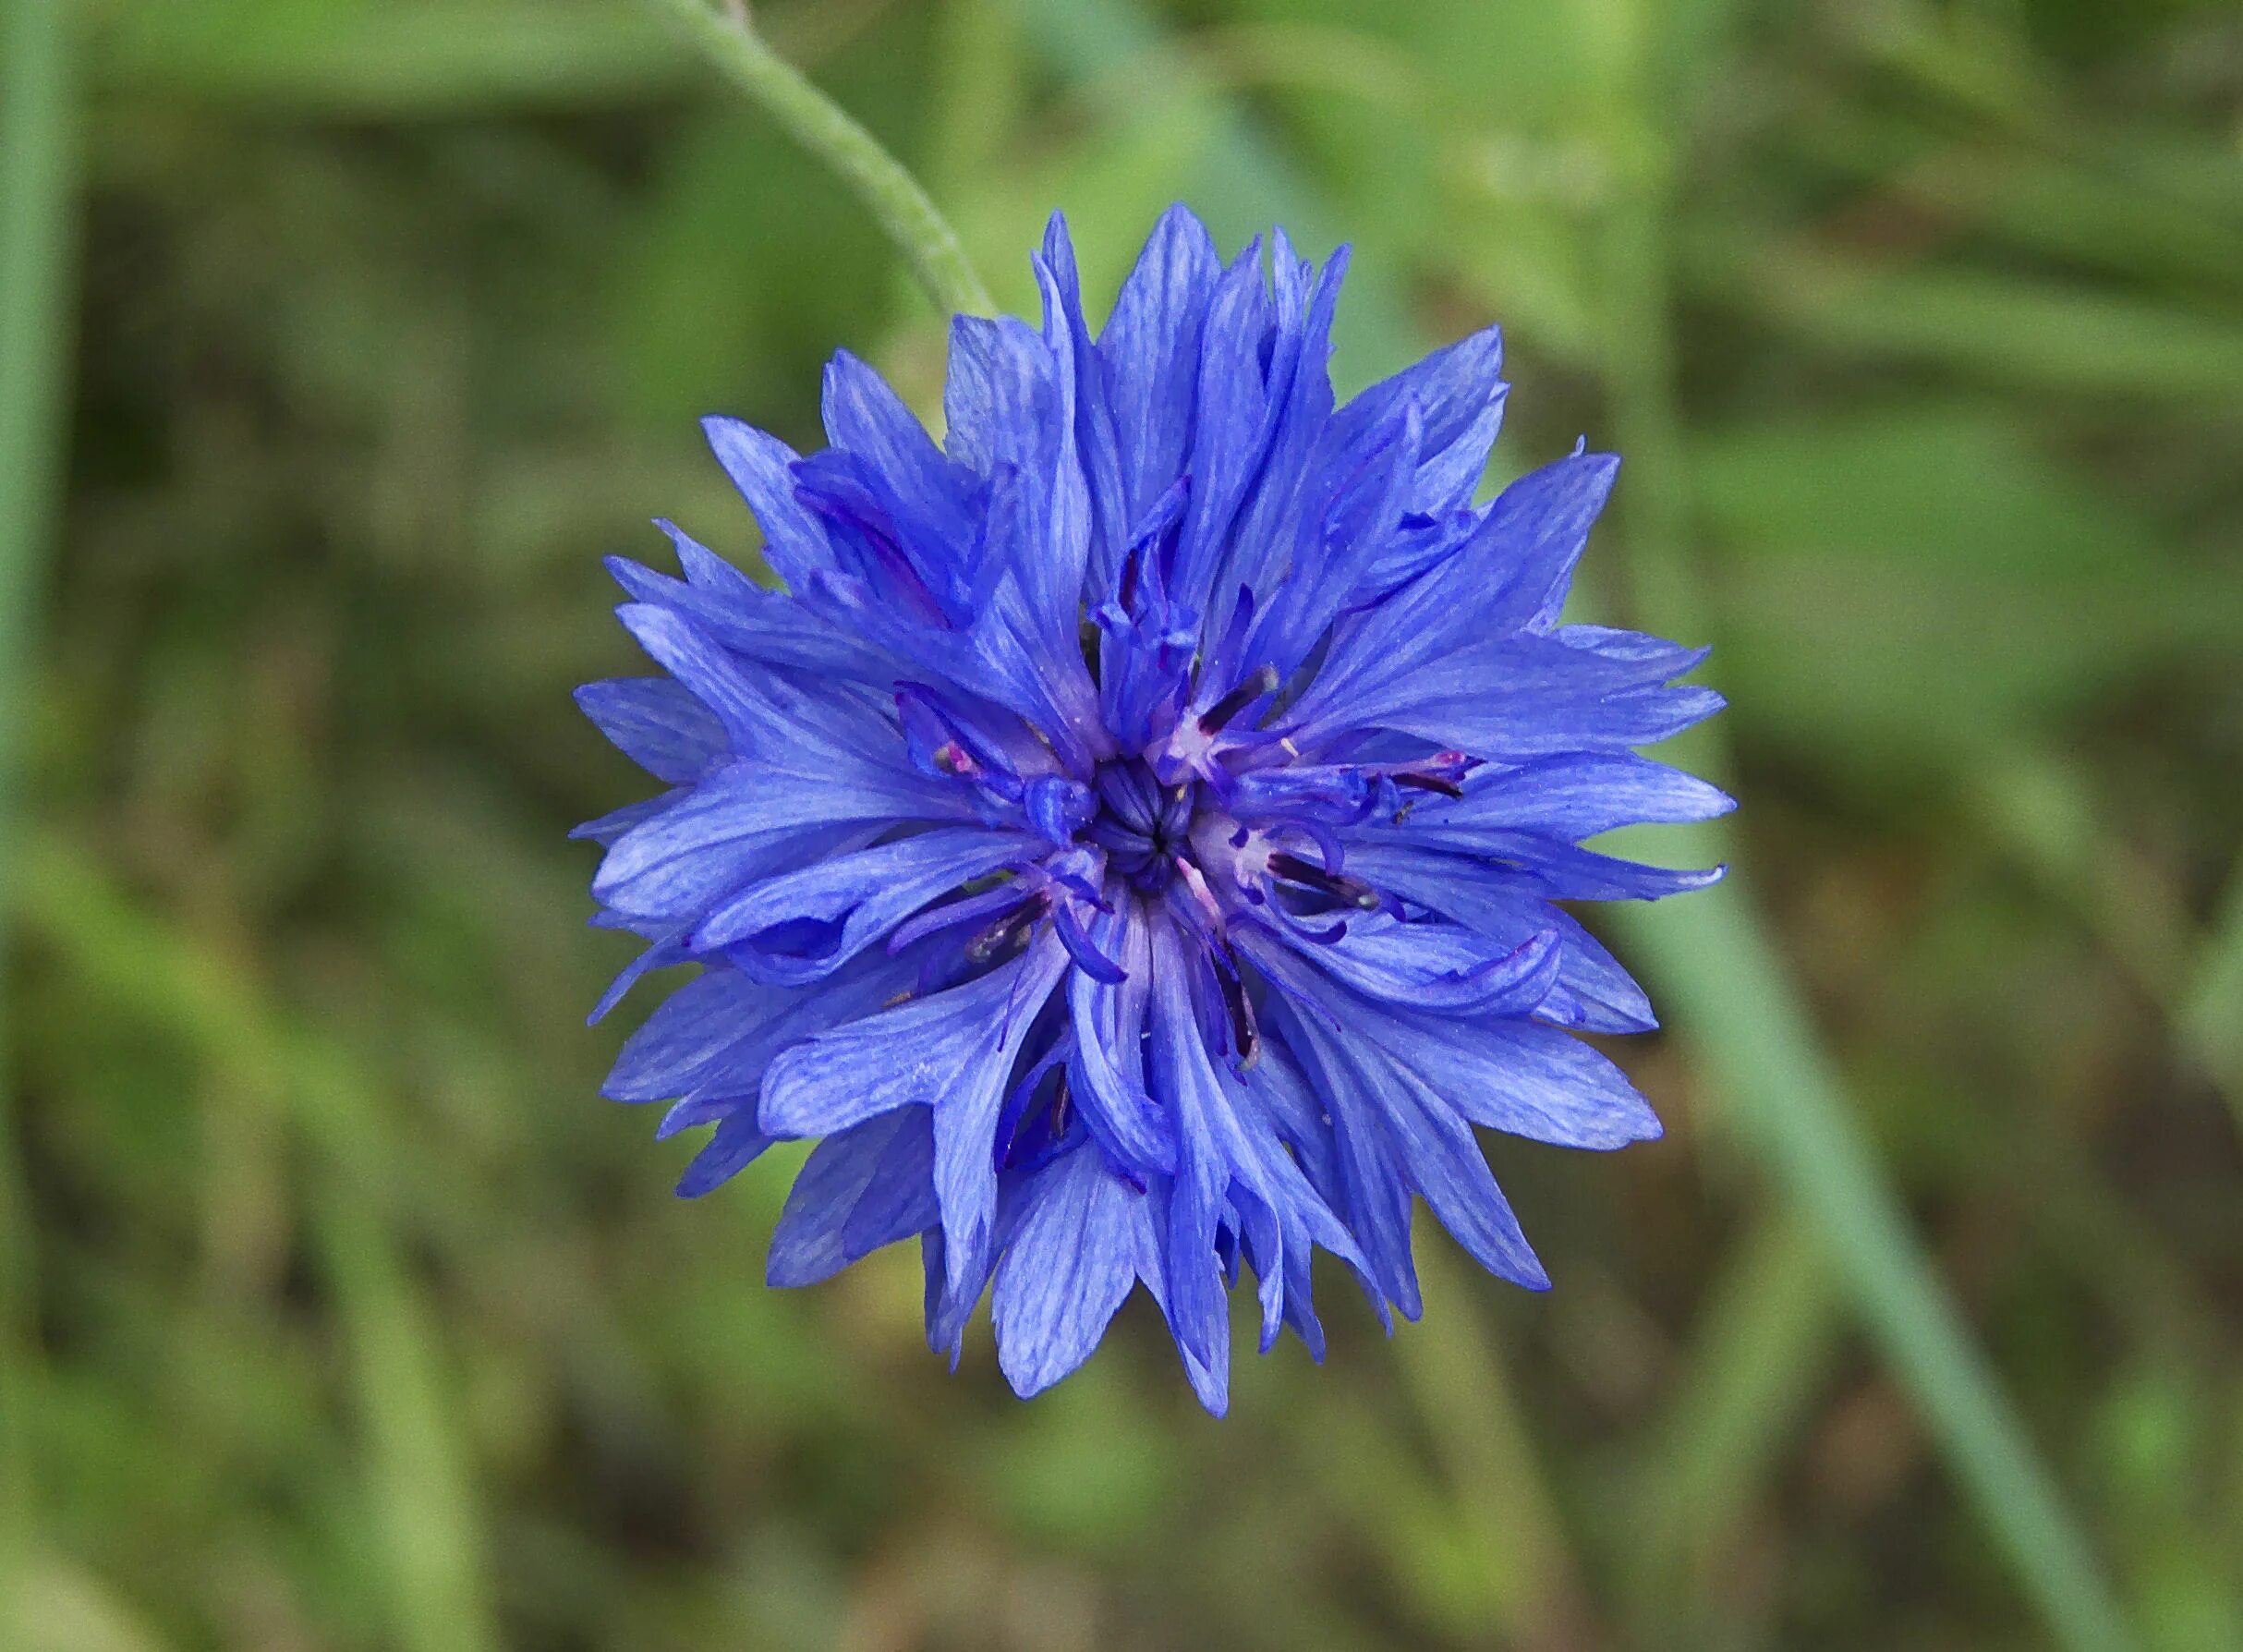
<point>1264,681</point>
<point>1430,783</point>
<point>1353,890</point>
<point>1245,1035</point>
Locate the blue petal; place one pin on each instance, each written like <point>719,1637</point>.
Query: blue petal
<point>1387,1113</point>
<point>737,1144</point>
<point>662,954</point>
<point>704,669</point>
<point>1559,872</point>
<point>1498,583</point>
<point>1593,992</point>
<point>1539,1083</point>
<point>998,395</point>
<point>1582,688</point>
<point>953,1052</point>
<point>1568,797</point>
<point>1010,400</point>
<point>1011,397</point>
<point>1535,533</point>
<point>773,716</point>
<point>1088,959</point>
<point>1106,1078</point>
<point>1294,1114</point>
<point>1052,563</point>
<point>689,1030</point>
<point>1374,1190</point>
<point>657,725</point>
<point>1299,403</point>
<point>1459,394</point>
<point>1361,515</point>
<point>1446,1167</point>
<point>1097,448</point>
<point>868,1186</point>
<point>1438,966</point>
<point>927,1051</point>
<point>1186,1082</point>
<point>802,926</point>
<point>762,468</point>
<point>1515,1077</point>
<point>742,822</point>
<point>1065,1271</point>
<point>1222,1165</point>
<point>767,627</point>
<point>1210,1376</point>
<point>711,1039</point>
<point>928,496</point>
<point>1151,351</point>
<point>1058,807</point>
<point>617,821</point>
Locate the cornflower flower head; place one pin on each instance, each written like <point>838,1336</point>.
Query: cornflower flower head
<point>1128,843</point>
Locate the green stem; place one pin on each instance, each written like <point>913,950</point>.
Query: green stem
<point>38,168</point>
<point>890,193</point>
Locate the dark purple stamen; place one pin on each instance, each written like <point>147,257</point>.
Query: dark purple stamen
<point>1353,890</point>
<point>1246,1034</point>
<point>1264,681</point>
<point>1430,783</point>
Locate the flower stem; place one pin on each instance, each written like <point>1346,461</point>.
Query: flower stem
<point>938,259</point>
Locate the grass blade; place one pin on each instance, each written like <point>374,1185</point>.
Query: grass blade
<point>1719,976</point>
<point>2212,1007</point>
<point>1763,1342</point>
<point>38,196</point>
<point>418,1488</point>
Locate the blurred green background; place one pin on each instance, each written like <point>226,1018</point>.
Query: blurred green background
<point>343,336</point>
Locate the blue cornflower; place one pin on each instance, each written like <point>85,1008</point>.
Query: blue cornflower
<point>1128,843</point>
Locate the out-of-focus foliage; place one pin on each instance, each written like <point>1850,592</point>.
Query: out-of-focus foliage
<point>358,1321</point>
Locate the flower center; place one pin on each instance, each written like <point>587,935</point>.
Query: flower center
<point>1141,825</point>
